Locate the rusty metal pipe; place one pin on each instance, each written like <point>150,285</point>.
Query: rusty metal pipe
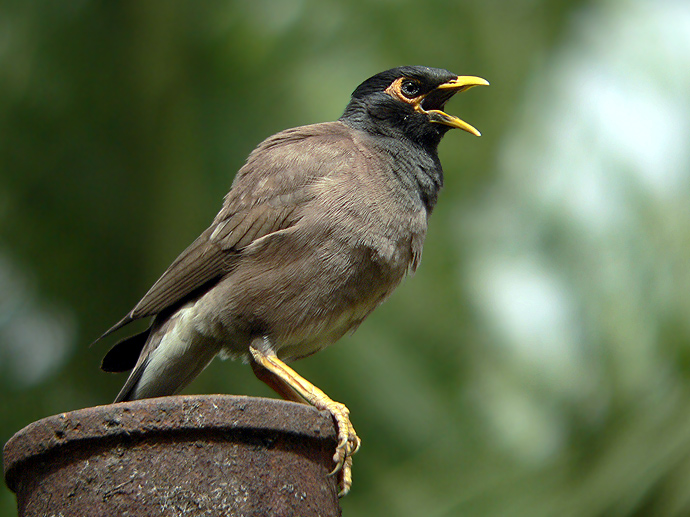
<point>187,455</point>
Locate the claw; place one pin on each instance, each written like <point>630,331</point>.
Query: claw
<point>358,444</point>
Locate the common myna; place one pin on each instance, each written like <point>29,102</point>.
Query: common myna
<point>320,226</point>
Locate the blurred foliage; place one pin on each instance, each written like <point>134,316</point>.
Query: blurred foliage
<point>537,364</point>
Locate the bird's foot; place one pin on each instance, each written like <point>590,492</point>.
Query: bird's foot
<point>348,443</point>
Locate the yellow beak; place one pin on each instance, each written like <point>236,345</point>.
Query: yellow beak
<point>459,84</point>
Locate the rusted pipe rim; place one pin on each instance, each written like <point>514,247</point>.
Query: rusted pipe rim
<point>165,415</point>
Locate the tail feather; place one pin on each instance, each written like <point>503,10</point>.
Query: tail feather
<point>127,391</point>
<point>165,358</point>
<point>124,354</point>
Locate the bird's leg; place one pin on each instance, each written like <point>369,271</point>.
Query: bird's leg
<point>291,386</point>
<point>275,383</point>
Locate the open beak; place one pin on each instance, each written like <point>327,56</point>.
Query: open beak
<point>433,102</point>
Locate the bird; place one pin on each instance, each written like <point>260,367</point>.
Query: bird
<point>320,225</point>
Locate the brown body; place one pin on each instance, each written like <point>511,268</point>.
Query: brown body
<point>329,256</point>
<point>298,254</point>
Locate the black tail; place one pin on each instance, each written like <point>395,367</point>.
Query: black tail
<point>123,355</point>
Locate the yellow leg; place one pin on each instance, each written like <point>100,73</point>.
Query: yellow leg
<point>288,383</point>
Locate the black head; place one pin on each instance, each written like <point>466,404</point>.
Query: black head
<point>408,102</point>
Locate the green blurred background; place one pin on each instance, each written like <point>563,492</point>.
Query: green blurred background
<point>538,364</point>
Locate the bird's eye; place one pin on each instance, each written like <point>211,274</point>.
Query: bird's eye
<point>410,88</point>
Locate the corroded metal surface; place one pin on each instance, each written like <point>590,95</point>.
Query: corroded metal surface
<point>173,456</point>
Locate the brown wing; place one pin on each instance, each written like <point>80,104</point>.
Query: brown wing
<point>266,197</point>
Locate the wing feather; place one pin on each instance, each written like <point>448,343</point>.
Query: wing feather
<point>266,197</point>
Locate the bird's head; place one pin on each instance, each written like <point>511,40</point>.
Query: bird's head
<point>409,101</point>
